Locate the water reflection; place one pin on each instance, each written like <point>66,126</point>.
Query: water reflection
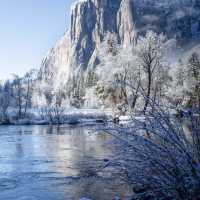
<point>56,163</point>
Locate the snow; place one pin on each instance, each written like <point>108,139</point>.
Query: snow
<point>125,118</point>
<point>69,116</point>
<point>76,3</point>
<point>85,199</point>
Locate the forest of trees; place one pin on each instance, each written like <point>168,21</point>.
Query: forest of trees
<point>147,67</point>
<point>16,94</point>
<point>125,80</point>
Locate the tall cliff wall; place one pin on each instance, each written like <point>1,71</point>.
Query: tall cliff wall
<point>92,19</point>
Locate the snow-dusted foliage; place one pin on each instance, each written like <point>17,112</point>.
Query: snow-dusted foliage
<point>5,98</point>
<point>117,64</point>
<point>159,159</point>
<point>16,94</point>
<point>186,80</point>
<point>143,65</point>
<point>152,52</point>
<point>80,50</point>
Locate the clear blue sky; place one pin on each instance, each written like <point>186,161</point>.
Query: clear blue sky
<point>28,29</point>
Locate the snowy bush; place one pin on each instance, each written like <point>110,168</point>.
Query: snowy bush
<point>159,159</point>
<point>143,65</point>
<point>53,114</point>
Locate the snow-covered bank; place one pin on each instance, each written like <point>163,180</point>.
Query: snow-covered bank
<point>72,117</point>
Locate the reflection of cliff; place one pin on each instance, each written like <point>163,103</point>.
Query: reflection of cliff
<point>57,162</point>
<point>71,149</point>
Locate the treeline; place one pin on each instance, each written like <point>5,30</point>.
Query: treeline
<point>128,77</point>
<point>16,96</point>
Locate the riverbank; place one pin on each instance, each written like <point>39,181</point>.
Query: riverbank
<point>71,117</point>
<point>76,116</point>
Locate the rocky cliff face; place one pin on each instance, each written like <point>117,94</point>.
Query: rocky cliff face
<point>55,64</point>
<point>92,19</point>
<point>178,19</point>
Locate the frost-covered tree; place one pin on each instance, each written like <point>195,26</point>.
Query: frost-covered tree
<point>77,92</point>
<point>143,66</point>
<point>117,67</point>
<point>5,100</point>
<point>177,93</point>
<point>193,78</point>
<point>18,94</point>
<point>29,84</point>
<point>187,81</point>
<point>151,52</point>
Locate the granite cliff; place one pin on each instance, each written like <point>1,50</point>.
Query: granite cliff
<point>68,62</point>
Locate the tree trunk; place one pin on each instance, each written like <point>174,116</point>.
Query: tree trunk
<point>27,97</point>
<point>147,98</point>
<point>125,95</point>
<point>154,97</point>
<point>19,102</point>
<point>135,97</point>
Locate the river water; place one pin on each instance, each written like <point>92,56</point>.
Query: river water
<point>51,163</point>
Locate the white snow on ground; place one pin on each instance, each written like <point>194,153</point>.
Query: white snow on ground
<point>69,116</point>
<point>87,111</point>
<point>85,199</point>
<point>126,119</point>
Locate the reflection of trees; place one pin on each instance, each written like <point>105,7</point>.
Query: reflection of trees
<point>65,152</point>
<point>18,145</point>
<point>19,150</point>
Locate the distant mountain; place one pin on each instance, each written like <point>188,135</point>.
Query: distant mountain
<point>71,58</point>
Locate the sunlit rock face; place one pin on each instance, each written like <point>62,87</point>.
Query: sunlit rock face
<point>92,19</point>
<point>125,23</point>
<point>55,64</point>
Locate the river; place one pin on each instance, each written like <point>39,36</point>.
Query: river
<point>57,163</point>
